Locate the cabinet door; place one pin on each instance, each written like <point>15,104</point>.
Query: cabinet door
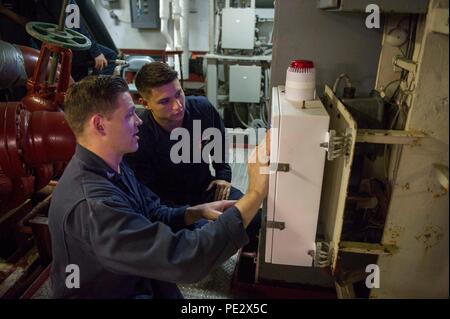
<point>336,176</point>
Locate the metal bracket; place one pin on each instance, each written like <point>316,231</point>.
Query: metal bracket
<point>275,224</point>
<point>338,144</point>
<point>283,167</point>
<point>367,248</point>
<point>279,167</point>
<point>405,64</point>
<point>389,137</point>
<point>323,255</point>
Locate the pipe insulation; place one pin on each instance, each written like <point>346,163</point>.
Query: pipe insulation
<point>12,66</point>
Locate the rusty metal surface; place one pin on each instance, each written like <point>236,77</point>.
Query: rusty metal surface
<point>367,248</point>
<point>37,284</point>
<point>33,252</point>
<point>38,221</point>
<point>418,221</point>
<point>18,275</point>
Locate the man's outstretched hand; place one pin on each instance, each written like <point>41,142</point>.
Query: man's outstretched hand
<point>258,181</point>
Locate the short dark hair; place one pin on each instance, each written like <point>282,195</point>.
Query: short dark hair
<point>153,75</point>
<point>93,94</point>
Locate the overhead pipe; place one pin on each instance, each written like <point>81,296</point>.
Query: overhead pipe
<point>176,16</point>
<point>212,13</point>
<point>184,30</point>
<point>164,15</point>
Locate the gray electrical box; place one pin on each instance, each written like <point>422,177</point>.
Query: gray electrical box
<point>145,14</point>
<point>245,83</point>
<point>238,28</point>
<point>386,6</point>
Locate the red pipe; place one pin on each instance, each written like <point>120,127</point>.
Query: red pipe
<point>34,146</point>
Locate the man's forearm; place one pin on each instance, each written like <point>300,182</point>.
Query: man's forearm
<point>248,205</point>
<point>191,216</point>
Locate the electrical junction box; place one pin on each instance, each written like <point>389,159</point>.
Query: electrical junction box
<point>238,28</point>
<point>145,14</point>
<point>245,83</point>
<point>295,187</point>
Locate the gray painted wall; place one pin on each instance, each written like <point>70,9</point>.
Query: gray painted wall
<point>337,43</point>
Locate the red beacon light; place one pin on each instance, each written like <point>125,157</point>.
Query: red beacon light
<point>301,81</point>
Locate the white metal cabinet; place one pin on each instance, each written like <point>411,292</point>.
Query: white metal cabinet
<point>238,28</point>
<point>295,188</point>
<point>245,83</point>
